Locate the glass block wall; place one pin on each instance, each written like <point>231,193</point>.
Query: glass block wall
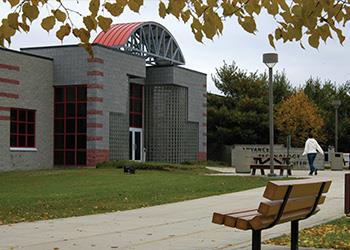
<point>118,136</point>
<point>169,136</point>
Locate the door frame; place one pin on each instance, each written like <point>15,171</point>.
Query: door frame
<point>133,148</point>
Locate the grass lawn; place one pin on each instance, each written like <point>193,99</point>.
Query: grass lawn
<point>36,195</point>
<point>334,234</point>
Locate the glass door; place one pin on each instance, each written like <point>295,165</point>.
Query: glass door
<point>135,144</point>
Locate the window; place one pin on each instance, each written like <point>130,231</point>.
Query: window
<point>136,105</point>
<point>70,125</point>
<point>22,130</point>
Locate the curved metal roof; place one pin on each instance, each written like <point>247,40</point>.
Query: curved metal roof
<point>148,39</point>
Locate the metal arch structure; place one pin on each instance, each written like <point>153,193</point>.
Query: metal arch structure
<point>150,40</point>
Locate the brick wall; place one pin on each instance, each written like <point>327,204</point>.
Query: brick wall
<point>26,82</point>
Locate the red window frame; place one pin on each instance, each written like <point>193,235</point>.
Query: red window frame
<point>136,98</point>
<point>20,134</point>
<point>67,152</point>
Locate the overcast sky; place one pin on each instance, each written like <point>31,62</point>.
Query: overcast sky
<point>330,61</point>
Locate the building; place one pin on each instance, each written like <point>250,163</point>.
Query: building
<point>132,100</point>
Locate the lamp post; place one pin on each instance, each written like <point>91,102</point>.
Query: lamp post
<point>336,104</point>
<point>270,60</point>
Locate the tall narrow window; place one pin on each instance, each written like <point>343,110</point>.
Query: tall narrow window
<point>22,130</point>
<point>136,105</point>
<point>70,125</point>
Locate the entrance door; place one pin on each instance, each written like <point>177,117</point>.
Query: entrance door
<point>135,144</point>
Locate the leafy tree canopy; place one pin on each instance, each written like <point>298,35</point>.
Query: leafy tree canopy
<point>314,20</point>
<point>296,116</point>
<point>241,115</point>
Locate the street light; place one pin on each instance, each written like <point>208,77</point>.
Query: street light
<point>336,104</point>
<point>270,59</point>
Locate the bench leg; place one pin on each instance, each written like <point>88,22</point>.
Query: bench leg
<point>281,172</point>
<point>289,171</point>
<point>262,171</point>
<point>294,235</point>
<point>253,171</point>
<point>256,240</point>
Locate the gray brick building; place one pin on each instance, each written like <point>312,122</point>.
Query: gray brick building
<point>131,100</point>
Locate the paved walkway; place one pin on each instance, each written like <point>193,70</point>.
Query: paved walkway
<point>181,225</point>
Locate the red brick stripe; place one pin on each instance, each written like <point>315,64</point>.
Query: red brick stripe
<point>94,112</point>
<point>94,125</point>
<point>202,156</point>
<point>94,86</point>
<point>95,73</point>
<point>95,156</point>
<point>5,108</point>
<point>94,99</point>
<point>95,60</point>
<point>94,138</point>
<point>10,81</point>
<point>4,118</point>
<point>9,67</point>
<point>9,95</point>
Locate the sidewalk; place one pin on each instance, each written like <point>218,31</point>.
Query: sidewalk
<point>181,225</point>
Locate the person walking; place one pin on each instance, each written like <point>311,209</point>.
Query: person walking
<point>311,149</point>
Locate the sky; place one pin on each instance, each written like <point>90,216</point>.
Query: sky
<point>329,62</point>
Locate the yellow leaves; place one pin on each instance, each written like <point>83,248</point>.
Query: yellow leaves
<point>248,23</point>
<point>104,22</point>
<point>48,23</point>
<point>59,15</point>
<point>90,22</point>
<point>271,40</point>
<point>83,34</point>
<point>296,115</point>
<point>13,2</point>
<point>175,7</point>
<point>94,7</point>
<point>63,31</point>
<point>30,11</point>
<point>13,20</point>
<point>324,32</point>
<point>135,5</point>
<point>186,15</point>
<point>162,9</point>
<point>115,9</point>
<point>314,40</point>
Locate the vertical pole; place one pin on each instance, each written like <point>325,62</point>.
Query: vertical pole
<point>336,129</point>
<point>271,122</point>
<point>256,244</point>
<point>347,195</point>
<point>294,235</point>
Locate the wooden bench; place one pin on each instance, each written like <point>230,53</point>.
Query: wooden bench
<point>291,200</point>
<point>281,168</point>
<point>262,165</point>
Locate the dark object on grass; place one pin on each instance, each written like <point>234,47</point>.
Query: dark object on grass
<point>129,170</point>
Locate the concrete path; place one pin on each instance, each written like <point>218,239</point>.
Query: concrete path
<point>181,225</point>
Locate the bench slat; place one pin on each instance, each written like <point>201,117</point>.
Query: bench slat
<point>230,220</point>
<point>260,222</point>
<point>218,218</point>
<point>275,190</point>
<point>268,208</point>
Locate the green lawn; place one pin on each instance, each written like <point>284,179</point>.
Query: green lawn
<point>334,234</point>
<point>36,195</point>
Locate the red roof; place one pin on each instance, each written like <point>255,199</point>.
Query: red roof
<point>118,34</point>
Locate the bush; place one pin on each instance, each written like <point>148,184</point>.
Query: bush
<point>150,165</point>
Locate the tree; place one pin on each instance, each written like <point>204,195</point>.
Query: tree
<point>296,20</point>
<point>322,94</point>
<point>296,116</point>
<point>241,115</point>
